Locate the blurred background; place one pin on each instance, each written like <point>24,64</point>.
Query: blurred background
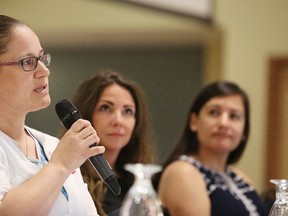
<point>172,50</point>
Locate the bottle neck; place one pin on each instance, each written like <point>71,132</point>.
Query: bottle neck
<point>282,195</point>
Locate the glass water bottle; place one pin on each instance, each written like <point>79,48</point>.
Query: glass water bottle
<point>141,199</point>
<point>280,206</point>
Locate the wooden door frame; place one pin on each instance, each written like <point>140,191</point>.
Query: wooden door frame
<point>276,66</point>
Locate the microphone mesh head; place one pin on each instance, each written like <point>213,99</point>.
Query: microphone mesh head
<point>64,108</point>
<point>67,113</point>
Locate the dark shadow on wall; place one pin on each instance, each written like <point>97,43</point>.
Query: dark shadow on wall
<point>170,77</point>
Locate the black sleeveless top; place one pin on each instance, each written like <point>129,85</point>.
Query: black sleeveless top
<point>229,194</point>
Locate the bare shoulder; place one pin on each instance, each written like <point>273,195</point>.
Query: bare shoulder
<point>180,185</point>
<point>181,168</point>
<point>181,178</point>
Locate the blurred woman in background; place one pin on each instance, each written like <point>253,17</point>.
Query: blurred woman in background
<point>199,168</point>
<point>116,108</point>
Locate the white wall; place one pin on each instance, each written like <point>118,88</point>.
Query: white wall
<point>253,31</point>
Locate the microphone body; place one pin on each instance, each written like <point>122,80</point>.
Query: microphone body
<point>68,114</point>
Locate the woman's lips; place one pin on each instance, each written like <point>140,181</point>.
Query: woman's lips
<point>116,134</point>
<point>42,88</point>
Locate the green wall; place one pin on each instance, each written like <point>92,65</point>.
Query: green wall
<point>170,78</point>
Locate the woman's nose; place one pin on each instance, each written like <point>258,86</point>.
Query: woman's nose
<point>224,119</point>
<point>41,70</point>
<point>117,118</point>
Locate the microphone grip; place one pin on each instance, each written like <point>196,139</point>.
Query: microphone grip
<point>102,167</point>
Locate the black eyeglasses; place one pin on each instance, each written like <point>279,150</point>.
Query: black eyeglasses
<point>30,63</point>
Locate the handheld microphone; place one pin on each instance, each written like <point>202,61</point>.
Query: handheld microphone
<point>68,114</point>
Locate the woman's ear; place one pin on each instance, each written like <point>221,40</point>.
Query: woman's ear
<point>193,120</point>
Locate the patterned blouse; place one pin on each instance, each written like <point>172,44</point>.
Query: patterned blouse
<point>230,195</point>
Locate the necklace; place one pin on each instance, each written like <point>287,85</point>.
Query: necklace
<point>27,152</point>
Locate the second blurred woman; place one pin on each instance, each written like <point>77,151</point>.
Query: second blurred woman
<point>115,106</point>
<point>200,167</point>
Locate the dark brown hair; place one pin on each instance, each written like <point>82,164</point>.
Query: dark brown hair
<point>140,148</point>
<point>87,96</point>
<point>188,143</point>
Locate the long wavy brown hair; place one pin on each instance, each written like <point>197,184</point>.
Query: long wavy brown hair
<point>140,148</point>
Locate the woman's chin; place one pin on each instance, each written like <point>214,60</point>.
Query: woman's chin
<point>43,104</point>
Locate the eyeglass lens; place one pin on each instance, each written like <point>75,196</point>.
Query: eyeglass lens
<point>31,63</point>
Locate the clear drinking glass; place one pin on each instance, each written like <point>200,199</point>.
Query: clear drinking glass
<point>280,206</point>
<point>141,199</point>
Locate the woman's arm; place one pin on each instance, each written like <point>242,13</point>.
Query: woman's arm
<point>182,190</point>
<point>37,195</point>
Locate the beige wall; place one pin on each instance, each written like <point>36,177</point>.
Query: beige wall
<point>160,51</point>
<point>254,31</point>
